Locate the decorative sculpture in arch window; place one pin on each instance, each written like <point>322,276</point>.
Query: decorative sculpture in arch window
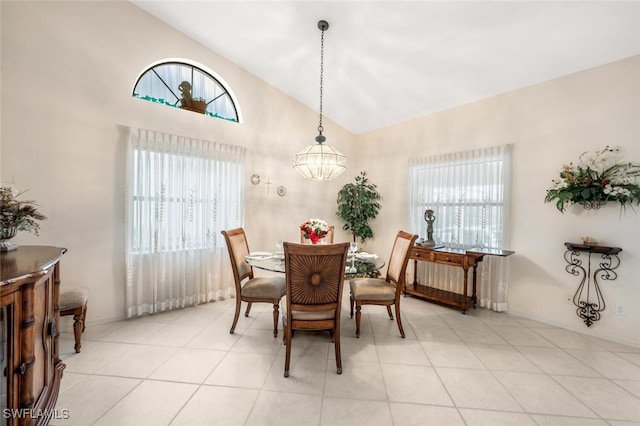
<point>188,87</point>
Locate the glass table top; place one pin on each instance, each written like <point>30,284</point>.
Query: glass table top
<point>275,263</point>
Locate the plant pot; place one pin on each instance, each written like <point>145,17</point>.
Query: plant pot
<point>594,204</point>
<point>6,234</point>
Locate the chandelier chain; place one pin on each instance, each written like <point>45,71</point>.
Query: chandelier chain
<point>320,128</point>
<point>319,161</point>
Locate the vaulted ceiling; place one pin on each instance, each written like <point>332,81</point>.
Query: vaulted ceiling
<point>390,61</point>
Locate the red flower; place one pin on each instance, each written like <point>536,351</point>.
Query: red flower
<point>314,229</point>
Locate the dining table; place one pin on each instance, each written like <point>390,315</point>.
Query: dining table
<point>366,264</point>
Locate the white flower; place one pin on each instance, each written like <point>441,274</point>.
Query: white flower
<point>319,224</point>
<point>558,184</point>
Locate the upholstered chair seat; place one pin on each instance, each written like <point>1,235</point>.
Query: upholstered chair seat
<point>372,289</point>
<point>308,315</point>
<point>264,287</point>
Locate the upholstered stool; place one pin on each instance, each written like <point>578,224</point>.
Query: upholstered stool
<point>74,302</point>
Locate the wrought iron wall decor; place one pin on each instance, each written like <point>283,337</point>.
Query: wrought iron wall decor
<point>588,297</point>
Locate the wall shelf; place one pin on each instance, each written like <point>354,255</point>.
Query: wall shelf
<point>588,297</point>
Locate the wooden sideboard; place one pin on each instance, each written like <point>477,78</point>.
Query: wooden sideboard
<point>465,259</point>
<point>29,318</point>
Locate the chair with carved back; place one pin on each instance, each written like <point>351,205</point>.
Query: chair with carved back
<point>254,289</point>
<point>384,291</point>
<point>328,239</point>
<point>313,301</point>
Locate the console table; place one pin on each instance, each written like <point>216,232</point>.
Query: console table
<point>465,259</point>
<point>588,290</point>
<point>29,317</point>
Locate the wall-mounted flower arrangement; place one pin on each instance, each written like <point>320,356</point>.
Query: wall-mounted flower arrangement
<point>598,177</point>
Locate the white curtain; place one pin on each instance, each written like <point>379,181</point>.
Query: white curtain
<point>469,193</point>
<point>180,194</point>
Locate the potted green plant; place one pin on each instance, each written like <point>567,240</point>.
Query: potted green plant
<point>358,204</point>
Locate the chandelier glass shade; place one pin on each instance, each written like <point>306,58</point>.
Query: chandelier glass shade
<point>320,161</point>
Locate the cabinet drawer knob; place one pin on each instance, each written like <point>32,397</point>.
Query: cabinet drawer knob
<point>22,368</point>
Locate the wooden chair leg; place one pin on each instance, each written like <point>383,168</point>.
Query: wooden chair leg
<point>358,316</point>
<point>276,314</point>
<point>351,305</point>
<point>389,312</point>
<point>284,331</point>
<point>246,313</point>
<point>398,319</point>
<point>287,359</point>
<point>338,355</point>
<point>236,315</point>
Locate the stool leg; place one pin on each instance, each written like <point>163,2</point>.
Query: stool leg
<point>84,317</point>
<point>78,325</point>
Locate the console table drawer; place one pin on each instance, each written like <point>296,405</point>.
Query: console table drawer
<point>425,255</point>
<point>448,258</point>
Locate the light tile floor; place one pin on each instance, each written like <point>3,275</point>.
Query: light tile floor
<point>484,368</point>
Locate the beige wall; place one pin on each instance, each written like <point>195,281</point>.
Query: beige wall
<point>548,124</point>
<point>69,70</point>
<point>67,76</point>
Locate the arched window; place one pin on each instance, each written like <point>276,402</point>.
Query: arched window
<point>186,86</point>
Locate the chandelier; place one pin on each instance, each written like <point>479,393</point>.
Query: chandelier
<point>320,161</point>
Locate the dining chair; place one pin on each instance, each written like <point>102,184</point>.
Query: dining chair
<point>255,289</point>
<point>328,239</point>
<point>313,301</point>
<point>384,291</point>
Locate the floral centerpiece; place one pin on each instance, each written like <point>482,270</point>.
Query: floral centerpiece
<point>16,215</point>
<point>314,229</point>
<point>598,177</point>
